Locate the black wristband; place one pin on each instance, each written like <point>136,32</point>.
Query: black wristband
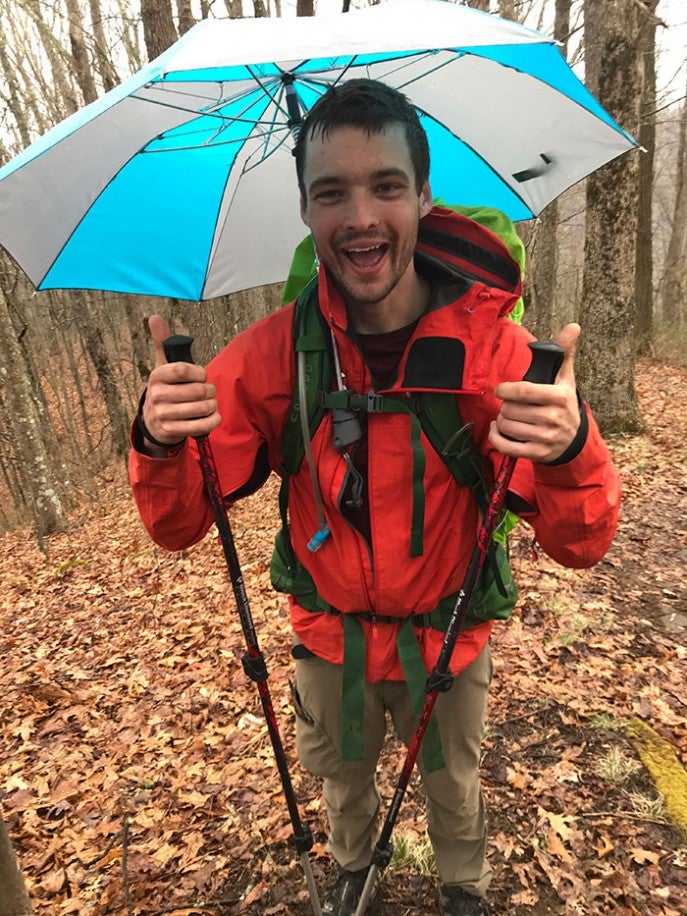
<point>577,444</point>
<point>144,429</point>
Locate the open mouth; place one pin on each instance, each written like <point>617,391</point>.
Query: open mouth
<point>367,257</point>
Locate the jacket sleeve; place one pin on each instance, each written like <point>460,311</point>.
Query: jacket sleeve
<point>254,381</point>
<point>573,507</point>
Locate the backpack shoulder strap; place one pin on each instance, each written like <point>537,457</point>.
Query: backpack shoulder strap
<point>438,412</point>
<point>452,440</point>
<point>313,371</point>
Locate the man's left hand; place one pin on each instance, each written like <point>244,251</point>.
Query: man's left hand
<point>542,419</point>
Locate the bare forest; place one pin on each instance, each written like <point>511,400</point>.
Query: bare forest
<point>133,761</point>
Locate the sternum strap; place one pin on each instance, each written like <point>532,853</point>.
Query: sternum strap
<point>376,403</point>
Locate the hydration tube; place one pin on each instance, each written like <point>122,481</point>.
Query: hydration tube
<point>323,532</point>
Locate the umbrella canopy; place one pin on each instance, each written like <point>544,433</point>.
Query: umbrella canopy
<point>181,182</point>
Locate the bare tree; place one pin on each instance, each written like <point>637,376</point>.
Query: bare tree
<point>675,273</point>
<point>644,280</point>
<point>607,313</point>
<point>159,31</point>
<point>15,900</point>
<point>33,460</point>
<point>544,264</point>
<point>186,18</point>
<point>82,64</point>
<point>94,342</point>
<point>234,9</point>
<point>103,63</point>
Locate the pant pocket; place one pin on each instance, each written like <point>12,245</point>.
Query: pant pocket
<point>300,710</point>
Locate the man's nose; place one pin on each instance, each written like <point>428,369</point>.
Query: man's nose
<point>361,212</point>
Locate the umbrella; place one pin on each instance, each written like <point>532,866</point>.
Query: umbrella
<point>180,182</point>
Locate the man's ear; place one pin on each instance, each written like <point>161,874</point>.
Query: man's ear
<point>425,199</point>
<point>304,211</point>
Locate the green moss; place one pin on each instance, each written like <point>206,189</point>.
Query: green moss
<point>666,769</point>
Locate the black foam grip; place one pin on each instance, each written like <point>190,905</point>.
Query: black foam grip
<point>178,348</point>
<point>547,359</point>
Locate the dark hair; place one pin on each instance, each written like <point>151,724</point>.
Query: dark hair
<point>372,106</point>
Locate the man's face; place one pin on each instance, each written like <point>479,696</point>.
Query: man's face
<point>363,209</point>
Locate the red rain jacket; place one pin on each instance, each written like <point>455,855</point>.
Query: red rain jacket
<point>573,506</point>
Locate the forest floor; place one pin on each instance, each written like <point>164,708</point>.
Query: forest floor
<point>136,775</point>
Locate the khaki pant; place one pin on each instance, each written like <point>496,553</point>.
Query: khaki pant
<point>455,809</point>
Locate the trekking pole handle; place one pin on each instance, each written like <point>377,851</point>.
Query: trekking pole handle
<point>178,348</point>
<point>547,359</point>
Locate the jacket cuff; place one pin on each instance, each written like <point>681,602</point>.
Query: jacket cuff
<point>578,443</point>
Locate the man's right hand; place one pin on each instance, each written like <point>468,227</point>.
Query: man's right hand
<point>179,402</point>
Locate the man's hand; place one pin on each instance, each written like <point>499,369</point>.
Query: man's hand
<point>179,400</point>
<point>542,418</point>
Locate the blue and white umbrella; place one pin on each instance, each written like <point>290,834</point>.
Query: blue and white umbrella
<point>181,182</point>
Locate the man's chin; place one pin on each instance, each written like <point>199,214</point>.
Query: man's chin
<point>362,293</point>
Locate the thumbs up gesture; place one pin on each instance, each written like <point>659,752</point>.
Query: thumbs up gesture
<point>179,402</point>
<point>539,422</point>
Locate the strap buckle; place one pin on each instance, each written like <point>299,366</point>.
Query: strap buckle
<point>347,399</point>
<point>367,403</point>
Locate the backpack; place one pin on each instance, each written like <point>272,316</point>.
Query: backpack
<point>479,256</point>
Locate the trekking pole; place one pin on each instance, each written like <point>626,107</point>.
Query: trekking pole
<point>546,361</point>
<point>178,349</point>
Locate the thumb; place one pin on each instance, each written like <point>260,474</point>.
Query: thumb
<point>159,331</point>
<point>567,338</point>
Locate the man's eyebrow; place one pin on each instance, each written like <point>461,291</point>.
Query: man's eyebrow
<point>379,175</point>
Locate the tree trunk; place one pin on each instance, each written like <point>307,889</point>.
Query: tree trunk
<point>95,347</point>
<point>644,283</point>
<point>185,16</point>
<point>544,267</point>
<point>14,901</point>
<point>63,98</point>
<point>606,354</point>
<point>33,461</point>
<point>158,26</point>
<point>103,62</point>
<point>305,7</point>
<point>675,272</point>
<point>12,100</point>
<point>234,9</point>
<point>129,36</point>
<point>46,429</point>
<point>77,39</point>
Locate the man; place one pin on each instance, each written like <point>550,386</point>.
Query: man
<point>398,321</point>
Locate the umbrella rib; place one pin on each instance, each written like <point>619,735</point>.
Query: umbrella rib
<point>275,97</point>
<point>426,73</point>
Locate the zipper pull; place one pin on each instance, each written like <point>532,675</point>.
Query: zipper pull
<point>356,500</point>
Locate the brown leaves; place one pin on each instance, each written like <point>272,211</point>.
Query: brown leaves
<point>124,703</point>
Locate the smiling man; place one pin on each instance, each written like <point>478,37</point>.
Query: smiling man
<point>403,326</point>
<point>360,199</point>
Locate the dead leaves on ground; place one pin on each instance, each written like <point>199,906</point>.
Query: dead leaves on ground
<point>136,775</point>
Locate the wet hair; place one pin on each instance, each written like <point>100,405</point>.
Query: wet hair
<point>371,106</point>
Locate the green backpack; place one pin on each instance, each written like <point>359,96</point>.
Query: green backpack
<point>434,413</point>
